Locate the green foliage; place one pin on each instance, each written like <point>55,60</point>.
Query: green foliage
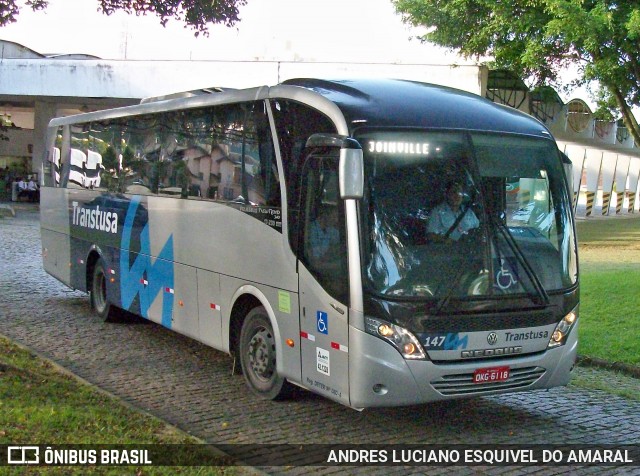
<point>182,177</point>
<point>633,25</point>
<point>129,159</point>
<point>110,159</point>
<point>3,129</point>
<point>197,14</point>
<point>539,38</point>
<point>9,10</point>
<point>607,108</point>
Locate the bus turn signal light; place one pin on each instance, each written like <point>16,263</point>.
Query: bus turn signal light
<point>410,348</point>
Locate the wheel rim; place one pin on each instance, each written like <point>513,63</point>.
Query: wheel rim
<point>262,354</point>
<point>100,292</point>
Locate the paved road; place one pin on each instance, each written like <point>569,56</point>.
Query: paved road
<point>190,386</point>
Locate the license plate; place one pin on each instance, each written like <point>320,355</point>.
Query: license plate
<point>491,374</point>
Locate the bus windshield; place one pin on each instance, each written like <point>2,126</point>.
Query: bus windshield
<point>465,215</point>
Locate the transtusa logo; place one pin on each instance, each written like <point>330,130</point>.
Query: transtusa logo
<point>94,218</point>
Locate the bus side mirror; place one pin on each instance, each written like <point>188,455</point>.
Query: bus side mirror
<point>351,167</point>
<point>351,171</point>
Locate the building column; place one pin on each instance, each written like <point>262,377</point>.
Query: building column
<point>44,112</point>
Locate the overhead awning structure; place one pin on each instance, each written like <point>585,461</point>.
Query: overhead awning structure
<point>505,87</point>
<point>545,104</point>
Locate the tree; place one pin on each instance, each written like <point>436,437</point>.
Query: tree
<point>540,38</point>
<point>110,159</point>
<point>197,14</point>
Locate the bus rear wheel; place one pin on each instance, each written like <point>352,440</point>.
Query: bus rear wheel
<point>258,356</point>
<point>99,299</point>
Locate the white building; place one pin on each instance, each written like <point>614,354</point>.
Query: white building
<point>35,88</point>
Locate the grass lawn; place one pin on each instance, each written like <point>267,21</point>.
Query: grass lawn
<point>610,324</point>
<point>41,405</point>
<point>609,251</point>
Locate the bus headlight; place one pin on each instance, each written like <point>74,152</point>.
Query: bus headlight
<point>563,328</point>
<point>403,340</point>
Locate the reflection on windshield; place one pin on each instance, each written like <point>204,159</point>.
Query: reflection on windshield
<point>452,215</point>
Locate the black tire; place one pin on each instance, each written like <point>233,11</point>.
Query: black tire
<point>98,292</point>
<point>258,357</point>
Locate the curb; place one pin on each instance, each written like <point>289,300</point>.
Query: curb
<point>6,209</point>
<point>630,370</point>
<point>20,206</point>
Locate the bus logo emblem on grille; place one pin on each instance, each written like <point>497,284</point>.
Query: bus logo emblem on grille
<point>492,338</point>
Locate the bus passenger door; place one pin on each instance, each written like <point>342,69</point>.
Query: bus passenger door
<point>323,280</point>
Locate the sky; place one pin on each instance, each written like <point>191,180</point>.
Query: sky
<point>285,30</point>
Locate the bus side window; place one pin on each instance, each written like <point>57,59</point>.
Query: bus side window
<point>295,122</point>
<point>139,147</point>
<point>242,156</point>
<point>184,154</point>
<point>103,164</point>
<point>53,177</point>
<point>266,180</point>
<point>80,137</point>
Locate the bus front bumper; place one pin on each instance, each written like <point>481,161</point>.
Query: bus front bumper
<point>380,377</point>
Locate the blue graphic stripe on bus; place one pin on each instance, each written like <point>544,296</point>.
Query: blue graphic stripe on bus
<point>142,278</point>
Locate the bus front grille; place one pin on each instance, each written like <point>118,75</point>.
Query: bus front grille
<point>462,384</point>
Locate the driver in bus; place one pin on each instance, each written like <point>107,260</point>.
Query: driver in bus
<point>449,221</point>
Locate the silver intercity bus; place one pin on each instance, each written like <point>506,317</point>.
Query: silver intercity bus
<point>377,242</point>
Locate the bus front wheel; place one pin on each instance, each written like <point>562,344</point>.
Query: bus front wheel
<point>258,356</point>
<point>98,296</point>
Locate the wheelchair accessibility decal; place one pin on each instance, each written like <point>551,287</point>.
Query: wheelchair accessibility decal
<point>322,322</point>
<point>504,277</point>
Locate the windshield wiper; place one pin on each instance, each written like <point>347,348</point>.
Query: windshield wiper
<point>447,297</point>
<point>541,297</point>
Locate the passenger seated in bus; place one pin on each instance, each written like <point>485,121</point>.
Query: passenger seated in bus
<point>324,237</point>
<point>449,221</point>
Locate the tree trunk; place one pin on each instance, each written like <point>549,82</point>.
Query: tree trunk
<point>627,116</point>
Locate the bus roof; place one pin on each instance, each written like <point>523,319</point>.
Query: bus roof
<point>354,103</point>
<point>403,103</point>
